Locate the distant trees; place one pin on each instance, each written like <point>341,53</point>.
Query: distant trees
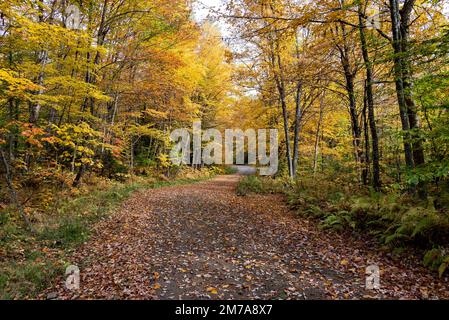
<point>102,95</point>
<point>357,86</point>
<point>374,55</point>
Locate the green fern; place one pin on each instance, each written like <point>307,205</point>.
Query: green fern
<point>443,267</point>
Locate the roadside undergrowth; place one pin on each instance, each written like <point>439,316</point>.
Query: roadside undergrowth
<point>397,220</point>
<point>29,262</point>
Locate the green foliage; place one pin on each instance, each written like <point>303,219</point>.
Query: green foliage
<point>396,220</point>
<point>249,184</point>
<point>229,170</point>
<point>433,259</point>
<point>437,259</point>
<point>341,221</point>
<point>69,232</point>
<point>27,278</point>
<point>255,184</point>
<point>417,224</point>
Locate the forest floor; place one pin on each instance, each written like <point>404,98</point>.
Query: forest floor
<point>202,241</point>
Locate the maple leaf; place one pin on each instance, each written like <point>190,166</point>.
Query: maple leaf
<point>344,262</point>
<point>156,286</point>
<point>212,290</point>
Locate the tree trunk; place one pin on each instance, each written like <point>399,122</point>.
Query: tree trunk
<point>297,128</point>
<point>370,103</point>
<point>36,108</point>
<point>79,175</point>
<point>280,84</point>
<point>317,138</point>
<point>400,21</point>
<point>413,118</point>
<point>398,69</point>
<point>349,79</point>
<point>286,130</point>
<point>91,77</point>
<point>367,157</point>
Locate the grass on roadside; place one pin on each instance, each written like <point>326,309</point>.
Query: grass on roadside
<point>256,184</point>
<point>29,263</point>
<point>229,170</point>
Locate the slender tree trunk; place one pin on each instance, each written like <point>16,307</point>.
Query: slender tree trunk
<point>367,157</point>
<point>278,75</point>
<point>13,115</point>
<point>297,127</point>
<point>36,108</point>
<point>280,84</point>
<point>349,79</point>
<point>91,77</point>
<point>286,131</point>
<point>11,135</point>
<point>350,74</point>
<point>413,118</point>
<point>398,69</point>
<point>298,110</point>
<point>317,137</point>
<point>370,103</point>
<point>42,58</point>
<point>79,175</point>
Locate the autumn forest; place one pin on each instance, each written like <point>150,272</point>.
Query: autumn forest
<point>90,91</point>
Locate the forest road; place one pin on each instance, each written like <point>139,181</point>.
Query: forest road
<point>202,241</point>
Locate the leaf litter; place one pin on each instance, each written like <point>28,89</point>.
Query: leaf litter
<point>202,241</point>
